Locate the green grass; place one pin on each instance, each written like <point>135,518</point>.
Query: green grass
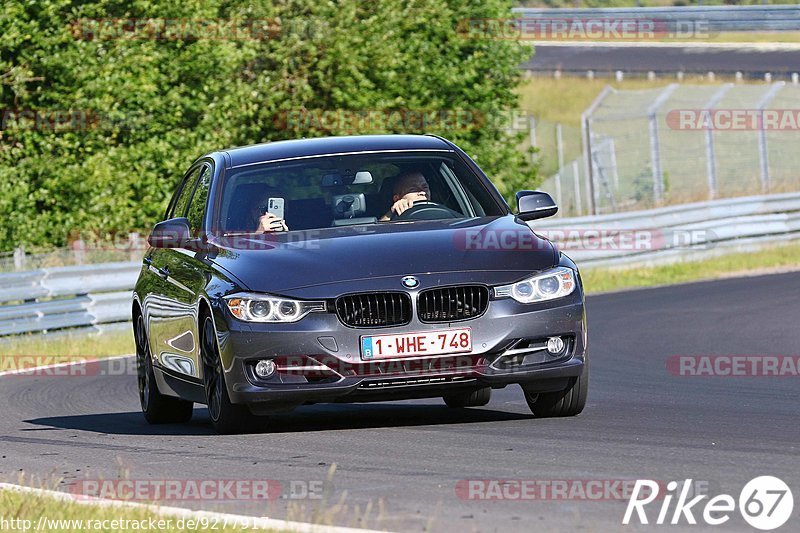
<point>563,100</point>
<point>768,260</point>
<point>23,506</point>
<point>754,37</point>
<point>49,349</point>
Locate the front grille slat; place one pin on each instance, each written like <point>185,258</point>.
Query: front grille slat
<point>449,304</point>
<point>374,310</point>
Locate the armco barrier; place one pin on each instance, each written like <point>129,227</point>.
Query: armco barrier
<point>714,18</point>
<point>706,229</point>
<point>66,297</point>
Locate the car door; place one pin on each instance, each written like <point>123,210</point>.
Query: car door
<point>168,306</point>
<point>186,278</point>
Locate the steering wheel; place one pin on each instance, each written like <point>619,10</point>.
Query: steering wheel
<point>425,211</point>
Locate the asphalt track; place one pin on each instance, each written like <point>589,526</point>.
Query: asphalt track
<point>407,458</point>
<point>664,60</point>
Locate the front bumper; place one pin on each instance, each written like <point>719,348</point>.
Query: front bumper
<point>507,349</point>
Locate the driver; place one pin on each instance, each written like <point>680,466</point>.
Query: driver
<point>408,188</point>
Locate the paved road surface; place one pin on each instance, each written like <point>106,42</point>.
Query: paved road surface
<point>407,458</point>
<point>606,59</point>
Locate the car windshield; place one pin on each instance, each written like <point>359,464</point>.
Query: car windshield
<point>323,192</point>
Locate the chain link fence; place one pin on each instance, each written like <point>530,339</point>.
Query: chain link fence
<point>682,143</point>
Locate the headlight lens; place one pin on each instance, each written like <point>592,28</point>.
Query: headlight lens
<point>549,285</point>
<point>266,308</point>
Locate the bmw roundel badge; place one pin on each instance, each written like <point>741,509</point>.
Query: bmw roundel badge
<point>410,282</point>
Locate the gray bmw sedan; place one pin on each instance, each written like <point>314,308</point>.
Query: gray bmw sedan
<point>352,269</point>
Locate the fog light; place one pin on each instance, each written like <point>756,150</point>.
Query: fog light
<point>265,368</point>
<point>555,345</point>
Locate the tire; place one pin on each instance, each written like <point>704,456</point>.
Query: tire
<point>475,398</point>
<point>156,407</point>
<point>568,402</point>
<point>226,417</point>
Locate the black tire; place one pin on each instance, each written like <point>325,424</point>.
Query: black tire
<point>568,402</point>
<point>475,398</point>
<point>226,417</point>
<point>156,407</point>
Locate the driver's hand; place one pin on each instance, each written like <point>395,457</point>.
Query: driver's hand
<point>407,201</point>
<point>270,223</point>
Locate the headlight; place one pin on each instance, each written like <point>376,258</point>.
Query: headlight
<point>265,308</point>
<point>549,285</point>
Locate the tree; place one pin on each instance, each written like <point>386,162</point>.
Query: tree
<point>101,118</point>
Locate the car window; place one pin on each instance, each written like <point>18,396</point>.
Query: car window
<point>309,192</point>
<point>197,206</point>
<point>182,200</point>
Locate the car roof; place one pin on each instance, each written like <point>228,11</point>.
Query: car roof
<point>320,146</point>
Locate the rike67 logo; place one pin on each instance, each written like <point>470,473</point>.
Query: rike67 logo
<point>766,503</point>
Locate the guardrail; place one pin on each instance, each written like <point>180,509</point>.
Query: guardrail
<point>715,18</point>
<point>91,295</point>
<point>66,297</point>
<point>676,233</point>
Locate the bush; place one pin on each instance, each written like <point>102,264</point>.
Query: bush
<point>100,122</point>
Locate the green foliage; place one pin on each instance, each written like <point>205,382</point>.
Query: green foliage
<point>141,109</point>
<point>649,3</point>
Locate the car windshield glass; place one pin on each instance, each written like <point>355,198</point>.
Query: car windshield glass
<point>323,192</point>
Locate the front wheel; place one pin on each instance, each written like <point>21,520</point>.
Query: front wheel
<point>226,417</point>
<point>156,407</point>
<point>568,402</point>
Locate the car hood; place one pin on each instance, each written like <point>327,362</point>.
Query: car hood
<point>331,261</point>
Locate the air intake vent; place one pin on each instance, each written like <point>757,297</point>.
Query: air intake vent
<point>374,310</point>
<point>449,304</point>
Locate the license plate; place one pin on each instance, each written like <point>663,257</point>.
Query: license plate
<point>416,344</point>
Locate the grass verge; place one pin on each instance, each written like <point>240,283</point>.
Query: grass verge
<point>768,260</point>
<point>44,349</point>
<point>23,512</point>
<point>564,99</point>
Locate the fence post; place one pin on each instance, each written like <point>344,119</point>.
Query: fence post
<point>560,152</point>
<point>586,138</point>
<point>78,251</point>
<point>576,180</point>
<point>133,246</point>
<point>532,133</point>
<point>655,148</point>
<point>19,258</point>
<point>763,155</point>
<point>612,155</point>
<point>711,158</point>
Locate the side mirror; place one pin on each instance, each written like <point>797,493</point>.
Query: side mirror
<point>535,204</point>
<point>172,233</point>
